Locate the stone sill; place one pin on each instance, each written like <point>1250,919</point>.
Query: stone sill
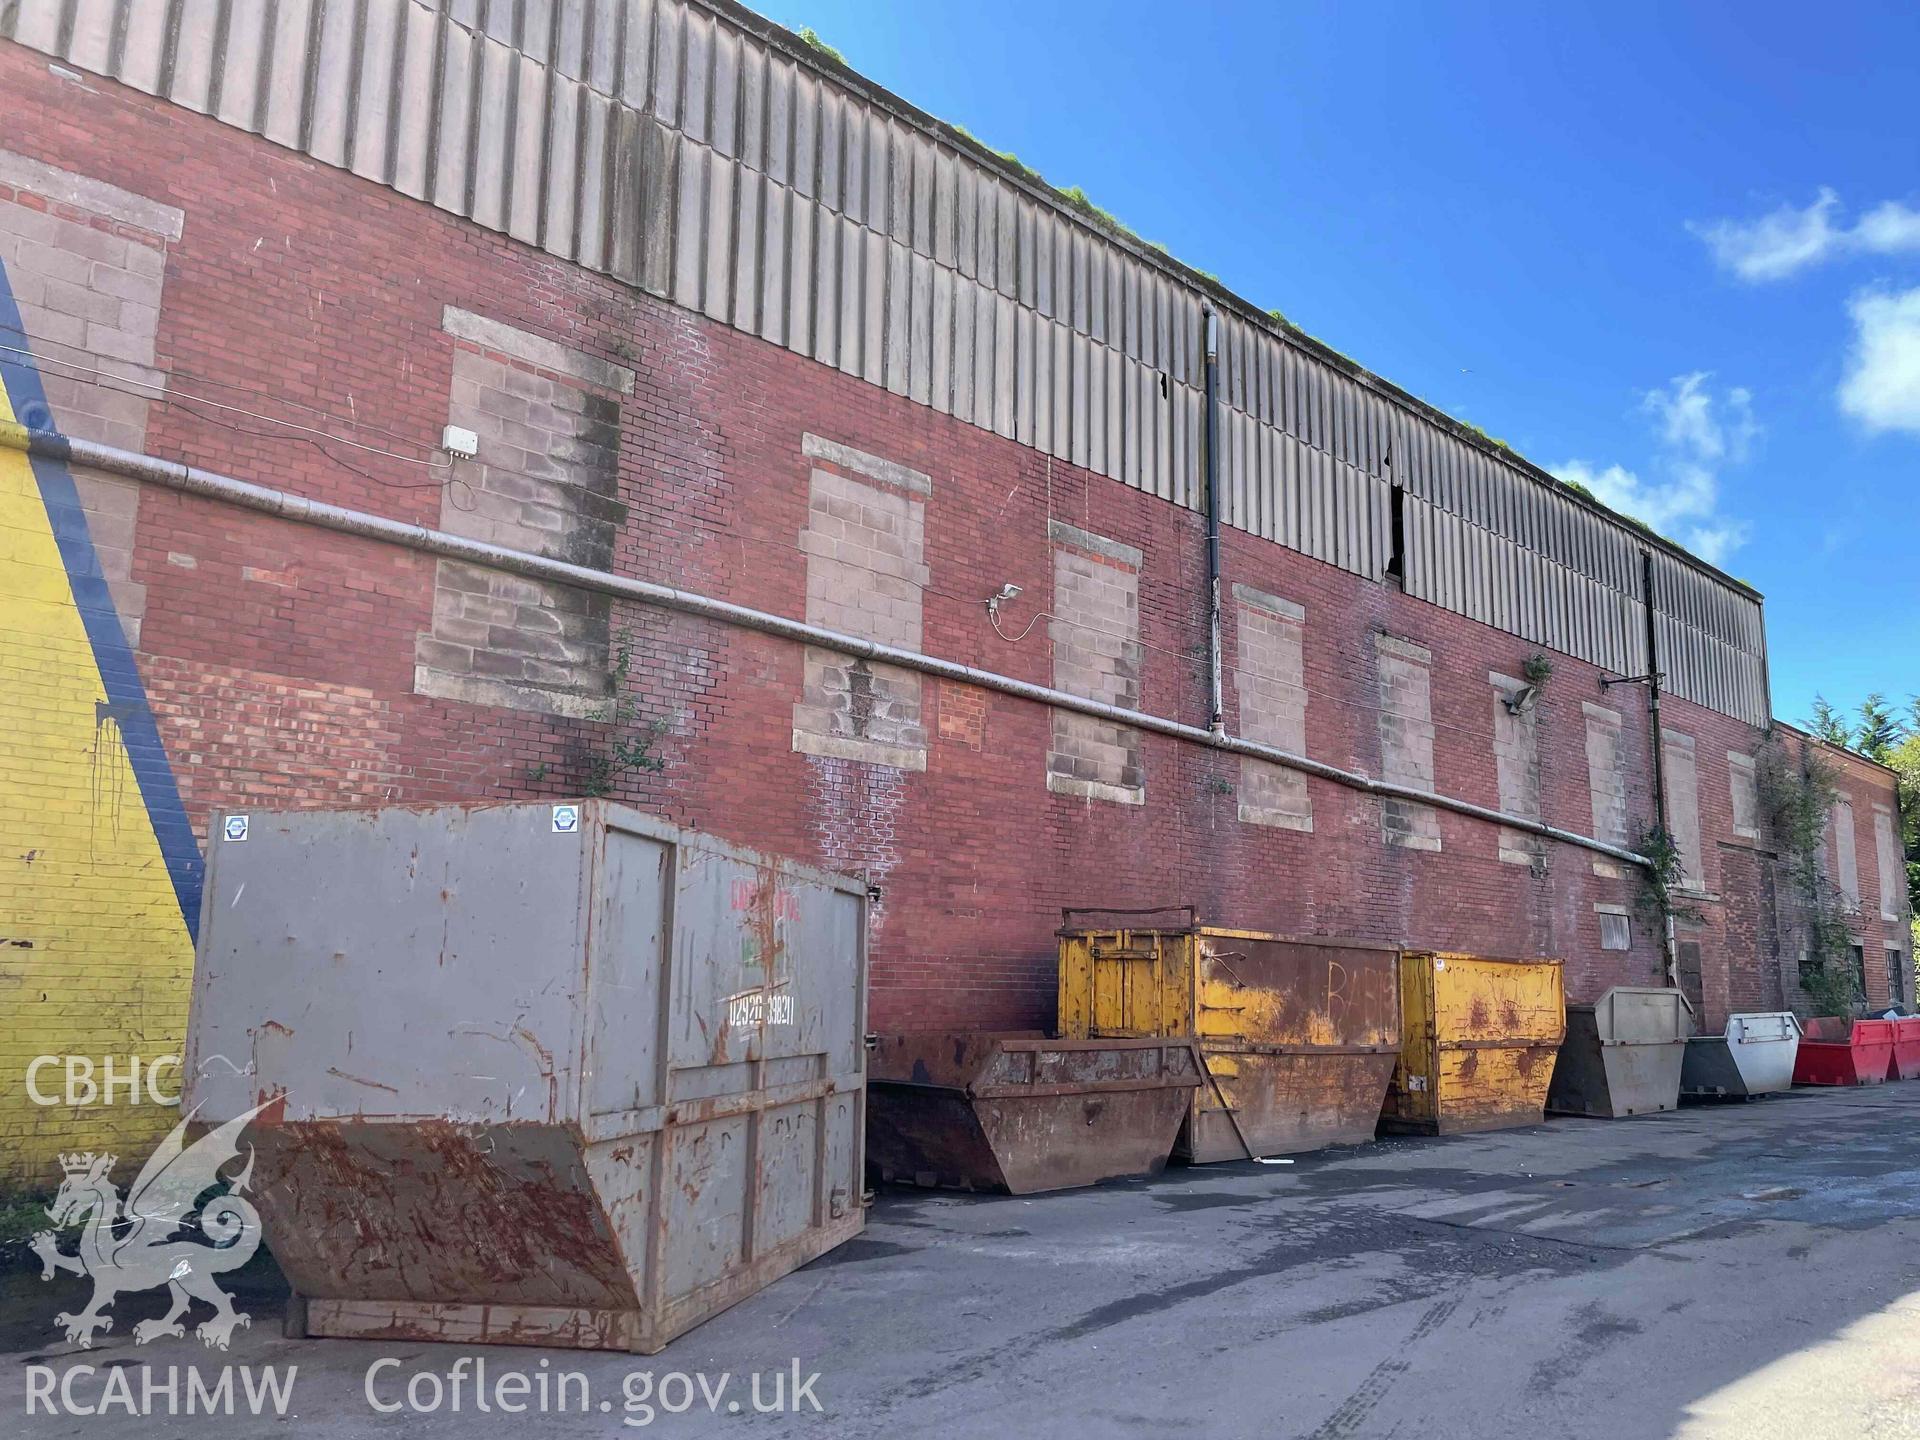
<point>1097,790</point>
<point>1275,819</point>
<point>865,752</point>
<point>492,690</point>
<point>1414,842</point>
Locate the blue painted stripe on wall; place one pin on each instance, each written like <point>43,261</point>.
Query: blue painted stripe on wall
<point>118,671</point>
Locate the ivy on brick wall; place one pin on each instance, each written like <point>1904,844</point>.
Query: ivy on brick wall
<point>1664,877</point>
<point>623,747</point>
<point>1797,789</point>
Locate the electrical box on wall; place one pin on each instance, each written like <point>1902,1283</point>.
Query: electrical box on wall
<point>462,443</point>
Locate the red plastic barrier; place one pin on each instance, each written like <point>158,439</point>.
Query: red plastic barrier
<point>1839,1052</point>
<point>1906,1048</point>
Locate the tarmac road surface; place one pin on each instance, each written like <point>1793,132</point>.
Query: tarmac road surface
<point>1746,1271</point>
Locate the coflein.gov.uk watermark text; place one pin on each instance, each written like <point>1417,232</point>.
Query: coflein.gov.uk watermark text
<point>471,1385</point>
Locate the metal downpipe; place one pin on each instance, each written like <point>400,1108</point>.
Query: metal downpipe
<point>1216,692</point>
<point>1669,942</point>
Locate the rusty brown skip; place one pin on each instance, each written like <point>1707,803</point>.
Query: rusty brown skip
<point>1298,1034</point>
<point>1021,1113</point>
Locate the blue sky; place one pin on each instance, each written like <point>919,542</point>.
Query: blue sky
<point>1670,250</point>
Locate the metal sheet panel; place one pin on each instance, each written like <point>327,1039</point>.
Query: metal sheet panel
<point>1754,1055</point>
<point>197,25</point>
<point>609,131</point>
<point>1023,1115</point>
<point>633,1051</point>
<point>1478,1041</point>
<point>1622,1054</point>
<point>1298,1036</point>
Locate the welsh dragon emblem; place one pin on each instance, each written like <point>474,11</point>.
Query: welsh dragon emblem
<point>160,1235</point>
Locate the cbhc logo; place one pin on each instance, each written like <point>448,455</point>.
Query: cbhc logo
<point>140,1079</point>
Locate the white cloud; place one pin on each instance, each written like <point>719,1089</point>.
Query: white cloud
<point>1690,424</point>
<point>1662,504</point>
<point>1787,240</point>
<point>1881,388</point>
<point>1889,229</point>
<point>1715,543</point>
<point>1776,244</point>
<point>1697,432</point>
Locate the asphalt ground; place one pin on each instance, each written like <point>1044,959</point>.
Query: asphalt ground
<point>1743,1270</point>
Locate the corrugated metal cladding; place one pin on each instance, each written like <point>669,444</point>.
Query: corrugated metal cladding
<point>680,148</point>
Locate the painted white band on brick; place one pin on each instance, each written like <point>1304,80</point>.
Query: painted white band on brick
<point>888,472</point>
<point>1062,533</point>
<point>110,201</point>
<point>537,350</point>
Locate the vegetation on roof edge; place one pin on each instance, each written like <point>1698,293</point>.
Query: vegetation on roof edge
<point>1076,198</point>
<point>811,38</point>
<point>1493,440</point>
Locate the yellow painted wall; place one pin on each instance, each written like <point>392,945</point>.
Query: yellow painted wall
<point>95,956</point>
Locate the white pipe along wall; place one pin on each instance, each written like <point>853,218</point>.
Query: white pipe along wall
<point>173,475</point>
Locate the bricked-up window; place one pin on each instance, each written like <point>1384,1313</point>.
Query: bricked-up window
<point>1745,793</point>
<point>1516,755</point>
<point>865,542</point>
<point>1847,875</point>
<point>545,481</point>
<point>1404,671</point>
<point>1616,927</point>
<point>1683,806</point>
<point>1096,654</point>
<point>1269,677</point>
<point>1606,783</point>
<point>86,262</point>
<point>1893,881</point>
<point>1686,961</point>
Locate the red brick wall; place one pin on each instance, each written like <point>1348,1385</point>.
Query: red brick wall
<point>1866,785</point>
<point>325,290</point>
